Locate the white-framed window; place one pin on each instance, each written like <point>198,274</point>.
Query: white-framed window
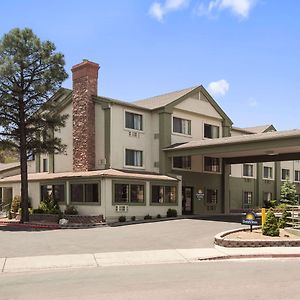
<point>297,175</point>
<point>182,126</point>
<point>133,121</point>
<point>182,162</point>
<point>248,170</point>
<point>211,131</point>
<point>133,158</point>
<point>285,174</point>
<point>212,164</point>
<point>268,172</point>
<point>247,200</point>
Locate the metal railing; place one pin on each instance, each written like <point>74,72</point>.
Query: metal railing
<point>294,216</point>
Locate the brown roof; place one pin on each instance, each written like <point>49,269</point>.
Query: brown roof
<point>272,135</point>
<point>162,100</point>
<point>110,173</point>
<point>259,129</point>
<point>8,166</point>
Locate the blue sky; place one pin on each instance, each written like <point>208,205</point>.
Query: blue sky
<point>245,51</point>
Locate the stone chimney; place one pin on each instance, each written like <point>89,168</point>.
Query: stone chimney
<point>85,80</point>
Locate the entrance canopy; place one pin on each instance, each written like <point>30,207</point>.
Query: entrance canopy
<point>260,147</point>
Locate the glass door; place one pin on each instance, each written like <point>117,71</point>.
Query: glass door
<point>187,200</point>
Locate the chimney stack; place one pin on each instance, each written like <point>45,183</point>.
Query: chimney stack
<point>85,80</point>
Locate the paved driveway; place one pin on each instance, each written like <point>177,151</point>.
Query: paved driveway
<point>186,233</point>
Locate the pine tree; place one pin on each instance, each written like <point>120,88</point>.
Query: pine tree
<point>288,193</point>
<point>30,73</point>
<point>270,227</point>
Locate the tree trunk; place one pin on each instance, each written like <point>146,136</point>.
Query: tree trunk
<point>23,161</point>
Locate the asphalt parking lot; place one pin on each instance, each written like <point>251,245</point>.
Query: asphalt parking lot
<point>177,234</point>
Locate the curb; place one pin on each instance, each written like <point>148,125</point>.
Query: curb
<point>220,240</point>
<point>50,226</point>
<point>250,256</point>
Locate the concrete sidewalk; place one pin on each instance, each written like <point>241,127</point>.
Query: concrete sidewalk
<point>48,262</point>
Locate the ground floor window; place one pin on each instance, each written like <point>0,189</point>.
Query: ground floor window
<point>247,200</point>
<point>57,191</point>
<point>129,193</point>
<point>211,164</point>
<point>84,192</point>
<point>211,197</point>
<point>164,194</point>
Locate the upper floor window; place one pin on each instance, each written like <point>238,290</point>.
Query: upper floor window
<point>247,200</point>
<point>268,172</point>
<point>211,131</point>
<point>211,164</point>
<point>133,121</point>
<point>182,162</point>
<point>297,175</point>
<point>248,170</point>
<point>133,158</point>
<point>45,165</point>
<point>285,174</point>
<point>181,126</point>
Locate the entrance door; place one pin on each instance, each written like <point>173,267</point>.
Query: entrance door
<point>187,200</point>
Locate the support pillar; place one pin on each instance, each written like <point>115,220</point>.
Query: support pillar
<point>259,200</point>
<point>225,187</point>
<point>277,180</point>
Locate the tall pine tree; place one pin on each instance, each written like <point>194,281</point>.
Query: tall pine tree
<point>30,73</point>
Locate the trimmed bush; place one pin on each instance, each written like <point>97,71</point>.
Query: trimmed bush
<point>158,216</point>
<point>38,211</point>
<point>171,213</point>
<point>284,216</point>
<point>270,228</point>
<point>71,210</point>
<point>270,203</point>
<point>16,204</point>
<point>148,217</point>
<point>133,218</point>
<point>50,206</point>
<point>122,219</point>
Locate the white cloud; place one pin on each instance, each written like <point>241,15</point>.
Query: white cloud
<point>240,8</point>
<point>252,102</point>
<point>158,10</point>
<point>218,88</point>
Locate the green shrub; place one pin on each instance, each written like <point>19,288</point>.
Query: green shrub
<point>133,218</point>
<point>148,217</point>
<point>16,204</point>
<point>171,213</point>
<point>270,227</point>
<point>158,216</point>
<point>71,210</point>
<point>49,206</point>
<point>38,211</point>
<point>284,216</point>
<point>270,203</point>
<point>122,219</point>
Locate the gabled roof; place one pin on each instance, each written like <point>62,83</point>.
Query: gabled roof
<point>163,100</point>
<point>9,166</point>
<point>261,128</point>
<point>110,173</point>
<point>243,130</point>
